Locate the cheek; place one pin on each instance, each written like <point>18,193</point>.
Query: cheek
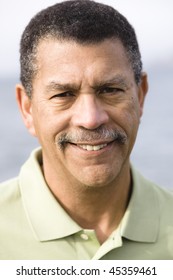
<point>127,116</point>
<point>133,118</point>
<point>48,122</point>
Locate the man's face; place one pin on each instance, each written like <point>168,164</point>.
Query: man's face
<point>85,110</point>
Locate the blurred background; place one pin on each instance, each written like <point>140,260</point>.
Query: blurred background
<point>153,22</point>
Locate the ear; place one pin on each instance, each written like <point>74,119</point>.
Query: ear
<point>25,107</point>
<point>143,89</point>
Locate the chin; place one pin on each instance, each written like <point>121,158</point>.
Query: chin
<point>98,178</point>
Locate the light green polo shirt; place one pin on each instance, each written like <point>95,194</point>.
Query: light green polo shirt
<point>33,225</point>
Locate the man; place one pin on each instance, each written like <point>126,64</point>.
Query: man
<point>82,94</point>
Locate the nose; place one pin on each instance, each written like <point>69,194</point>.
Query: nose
<point>89,112</point>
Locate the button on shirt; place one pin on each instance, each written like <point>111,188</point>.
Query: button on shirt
<point>33,225</point>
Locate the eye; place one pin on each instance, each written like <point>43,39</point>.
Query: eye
<point>110,90</point>
<point>63,95</point>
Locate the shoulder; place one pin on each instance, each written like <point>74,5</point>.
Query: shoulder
<point>158,199</point>
<point>9,192</point>
<point>148,186</point>
<point>163,195</point>
<point>165,203</point>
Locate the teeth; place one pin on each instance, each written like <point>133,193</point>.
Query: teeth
<point>93,148</point>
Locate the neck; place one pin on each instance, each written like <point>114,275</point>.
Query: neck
<point>97,208</point>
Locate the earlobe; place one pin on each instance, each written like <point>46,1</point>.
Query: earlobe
<point>143,89</point>
<point>25,107</point>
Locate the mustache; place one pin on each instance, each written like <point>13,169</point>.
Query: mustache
<point>83,135</point>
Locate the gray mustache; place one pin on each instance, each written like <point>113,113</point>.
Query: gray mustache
<point>84,135</point>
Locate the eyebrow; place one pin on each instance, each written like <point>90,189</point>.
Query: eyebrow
<point>55,85</point>
<point>119,80</point>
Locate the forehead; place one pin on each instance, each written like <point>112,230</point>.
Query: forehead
<point>71,59</point>
<point>48,47</point>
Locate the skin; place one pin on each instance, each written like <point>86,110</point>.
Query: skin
<point>80,88</point>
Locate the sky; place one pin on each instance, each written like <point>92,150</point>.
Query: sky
<point>152,20</point>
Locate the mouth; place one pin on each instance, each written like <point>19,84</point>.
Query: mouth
<point>99,139</point>
<point>92,147</point>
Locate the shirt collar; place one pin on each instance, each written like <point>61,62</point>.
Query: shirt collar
<point>50,221</point>
<point>141,220</point>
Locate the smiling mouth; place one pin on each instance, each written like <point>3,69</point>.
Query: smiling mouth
<point>92,147</point>
<point>95,140</point>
